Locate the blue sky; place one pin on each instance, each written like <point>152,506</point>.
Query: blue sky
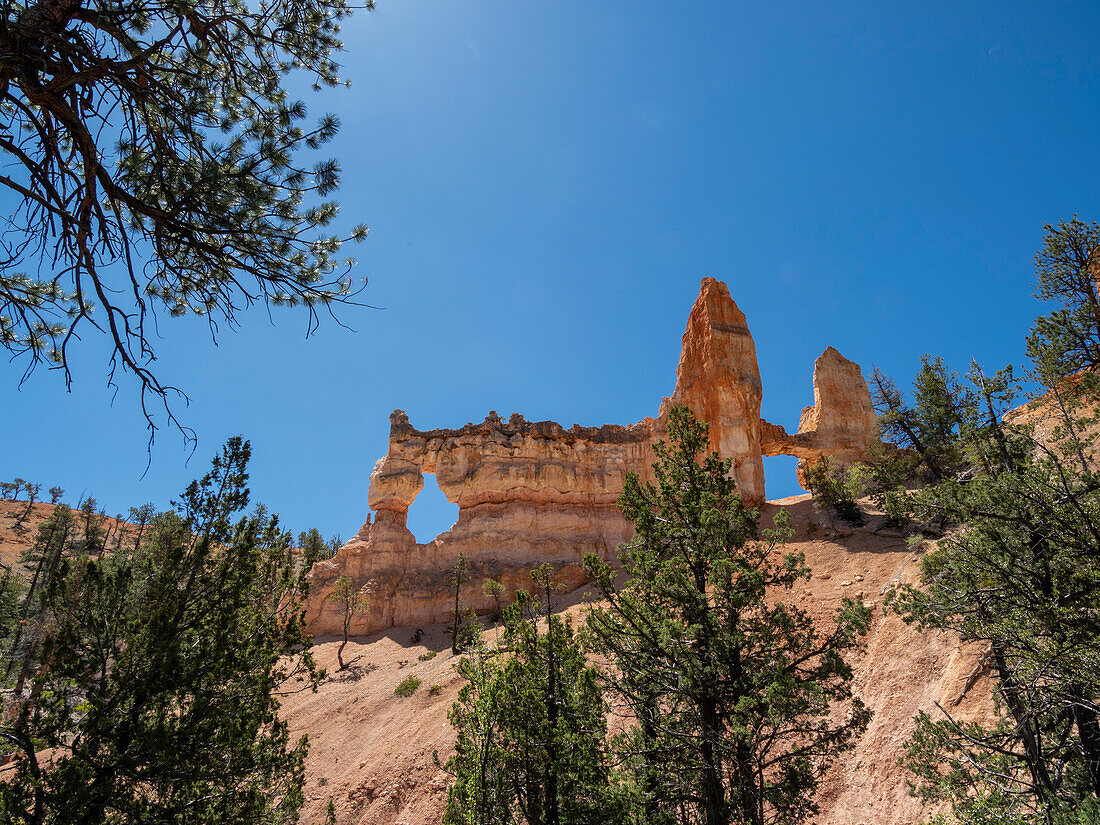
<point>546,184</point>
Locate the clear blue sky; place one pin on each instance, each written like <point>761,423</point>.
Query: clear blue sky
<point>546,184</point>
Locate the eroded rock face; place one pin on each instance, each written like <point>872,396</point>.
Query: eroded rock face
<point>841,423</point>
<point>528,493</point>
<point>534,492</point>
<point>719,379</point>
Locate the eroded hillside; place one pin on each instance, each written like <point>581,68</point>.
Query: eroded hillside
<point>371,751</point>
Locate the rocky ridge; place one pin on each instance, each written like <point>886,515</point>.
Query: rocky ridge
<point>534,492</point>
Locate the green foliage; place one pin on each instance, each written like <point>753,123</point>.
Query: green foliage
<point>156,160</point>
<point>836,488</point>
<point>1022,575</point>
<point>495,590</point>
<point>408,686</point>
<point>740,700</point>
<point>9,490</point>
<point>351,600</point>
<point>531,727</point>
<point>465,629</point>
<point>426,657</point>
<point>930,427</point>
<point>469,630</point>
<point>150,692</point>
<point>315,547</point>
<point>1067,268</point>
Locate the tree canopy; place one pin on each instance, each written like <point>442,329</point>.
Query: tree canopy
<point>158,162</point>
<point>144,684</point>
<point>741,700</point>
<point>1017,569</point>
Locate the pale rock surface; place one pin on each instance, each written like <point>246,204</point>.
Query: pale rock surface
<point>527,492</point>
<point>719,379</point>
<point>534,492</point>
<point>841,423</point>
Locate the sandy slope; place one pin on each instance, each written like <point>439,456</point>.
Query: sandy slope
<point>371,751</point>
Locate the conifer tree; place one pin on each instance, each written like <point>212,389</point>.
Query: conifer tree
<point>531,725</point>
<point>154,692</point>
<point>155,159</point>
<point>739,698</point>
<point>349,600</point>
<point>1021,572</point>
<point>459,576</point>
<point>1068,274</point>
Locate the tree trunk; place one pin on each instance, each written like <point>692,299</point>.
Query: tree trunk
<point>1088,729</point>
<point>1033,755</point>
<point>714,794</point>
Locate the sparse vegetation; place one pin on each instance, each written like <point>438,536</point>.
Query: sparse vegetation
<point>495,590</point>
<point>1018,570</point>
<point>836,488</point>
<point>465,629</point>
<point>408,686</point>
<point>531,726</point>
<point>351,600</point>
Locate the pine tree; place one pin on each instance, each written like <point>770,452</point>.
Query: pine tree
<point>739,698</point>
<point>531,725</point>
<point>459,576</point>
<point>1068,274</point>
<point>154,692</point>
<point>154,159</point>
<point>930,427</point>
<point>1021,574</point>
<point>350,600</point>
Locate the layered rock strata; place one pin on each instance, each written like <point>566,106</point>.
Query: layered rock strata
<point>841,422</point>
<point>534,492</point>
<point>718,377</point>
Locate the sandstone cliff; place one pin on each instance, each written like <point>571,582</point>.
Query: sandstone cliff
<point>719,379</point>
<point>534,492</point>
<point>527,492</point>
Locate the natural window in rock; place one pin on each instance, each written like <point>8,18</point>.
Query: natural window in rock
<point>431,513</point>
<point>779,477</point>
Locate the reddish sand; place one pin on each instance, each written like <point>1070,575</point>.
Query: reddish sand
<point>371,752</point>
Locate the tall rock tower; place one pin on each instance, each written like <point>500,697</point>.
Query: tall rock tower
<point>719,379</point>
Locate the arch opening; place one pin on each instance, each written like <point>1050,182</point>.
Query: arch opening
<point>430,513</point>
<point>780,480</point>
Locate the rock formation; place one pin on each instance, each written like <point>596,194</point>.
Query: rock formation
<point>841,423</point>
<point>719,378</point>
<point>534,492</point>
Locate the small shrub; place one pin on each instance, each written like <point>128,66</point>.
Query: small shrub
<point>435,690</point>
<point>426,657</point>
<point>836,488</point>
<point>408,686</point>
<point>896,506</point>
<point>468,635</point>
<point>495,590</point>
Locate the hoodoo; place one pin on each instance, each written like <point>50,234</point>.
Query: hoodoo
<point>534,492</point>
